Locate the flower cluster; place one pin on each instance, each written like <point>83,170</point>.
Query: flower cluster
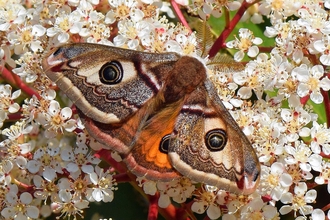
<point>49,165</point>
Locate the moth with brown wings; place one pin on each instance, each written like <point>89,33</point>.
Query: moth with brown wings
<point>160,112</point>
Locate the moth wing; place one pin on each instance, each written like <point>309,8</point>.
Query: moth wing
<point>82,71</point>
<point>138,134</point>
<point>118,137</point>
<point>208,146</point>
<point>148,156</point>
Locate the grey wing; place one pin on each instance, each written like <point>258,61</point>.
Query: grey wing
<point>107,84</point>
<point>208,146</point>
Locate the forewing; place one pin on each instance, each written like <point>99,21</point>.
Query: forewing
<point>78,70</point>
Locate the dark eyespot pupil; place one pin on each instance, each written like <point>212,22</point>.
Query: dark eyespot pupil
<point>58,51</point>
<point>111,73</point>
<point>164,144</point>
<point>216,139</point>
<point>256,175</point>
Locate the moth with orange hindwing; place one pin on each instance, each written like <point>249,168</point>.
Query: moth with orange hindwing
<point>160,112</point>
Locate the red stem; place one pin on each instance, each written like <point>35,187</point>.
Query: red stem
<point>106,156</point>
<point>325,156</point>
<point>327,207</point>
<point>304,100</point>
<point>220,42</point>
<point>187,208</point>
<point>153,207</point>
<point>326,101</point>
<point>171,212</point>
<point>265,49</point>
<point>25,88</point>
<point>15,116</point>
<point>179,14</point>
<point>15,80</point>
<point>27,188</point>
<point>7,75</point>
